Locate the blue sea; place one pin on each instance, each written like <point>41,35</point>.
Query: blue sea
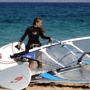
<point>60,20</point>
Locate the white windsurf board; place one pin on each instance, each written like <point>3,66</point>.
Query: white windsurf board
<point>6,51</point>
<point>15,78</point>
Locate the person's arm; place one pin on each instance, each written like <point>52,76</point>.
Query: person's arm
<point>43,36</point>
<point>21,39</point>
<point>23,36</point>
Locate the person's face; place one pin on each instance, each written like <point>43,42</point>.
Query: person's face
<point>39,23</point>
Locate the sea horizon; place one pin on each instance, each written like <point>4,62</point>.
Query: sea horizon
<point>60,20</point>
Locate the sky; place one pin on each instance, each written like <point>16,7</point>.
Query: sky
<point>44,0</point>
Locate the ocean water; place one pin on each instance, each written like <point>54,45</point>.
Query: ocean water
<point>60,20</point>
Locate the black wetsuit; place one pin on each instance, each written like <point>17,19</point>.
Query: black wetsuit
<point>33,34</point>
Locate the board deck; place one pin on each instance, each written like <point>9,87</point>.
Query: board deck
<point>6,51</point>
<point>15,78</point>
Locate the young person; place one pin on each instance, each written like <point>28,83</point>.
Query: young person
<point>33,32</point>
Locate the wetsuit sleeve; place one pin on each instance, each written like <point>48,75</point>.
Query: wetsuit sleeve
<point>23,36</point>
<point>42,34</point>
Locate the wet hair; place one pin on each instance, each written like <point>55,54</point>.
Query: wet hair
<point>37,19</point>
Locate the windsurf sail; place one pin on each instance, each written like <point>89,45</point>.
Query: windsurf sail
<point>66,56</point>
<point>63,58</point>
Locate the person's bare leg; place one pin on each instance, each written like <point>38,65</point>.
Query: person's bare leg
<point>31,63</point>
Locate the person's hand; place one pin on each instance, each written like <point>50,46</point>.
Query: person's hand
<point>18,46</point>
<point>50,40</point>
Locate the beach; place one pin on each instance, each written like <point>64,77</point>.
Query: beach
<point>66,86</point>
<point>60,87</point>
